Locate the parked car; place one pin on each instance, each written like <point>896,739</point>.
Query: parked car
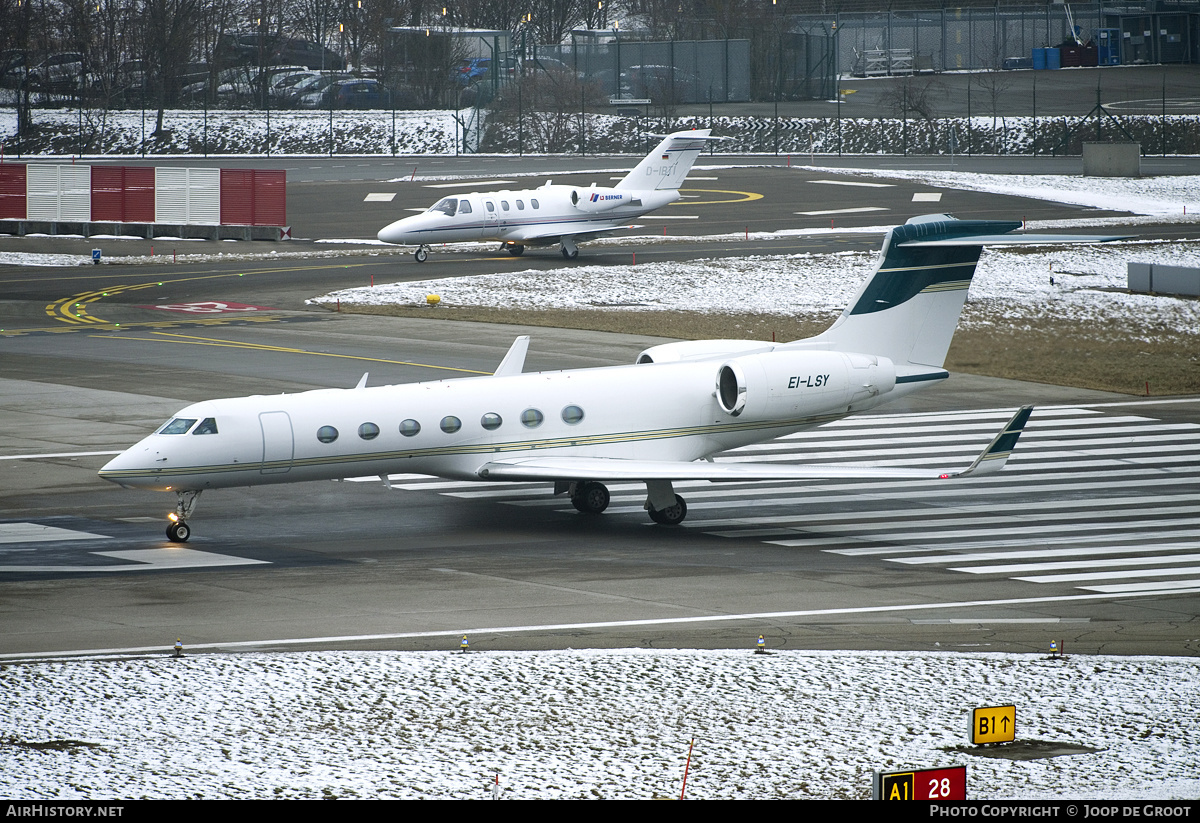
<point>253,48</point>
<point>65,71</point>
<point>662,84</point>
<point>311,85</point>
<point>472,71</point>
<point>356,93</point>
<point>281,87</point>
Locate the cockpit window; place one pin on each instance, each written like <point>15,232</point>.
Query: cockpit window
<point>207,426</point>
<point>464,206</point>
<point>179,425</point>
<point>446,206</point>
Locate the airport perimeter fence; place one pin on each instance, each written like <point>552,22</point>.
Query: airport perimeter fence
<point>982,113</point>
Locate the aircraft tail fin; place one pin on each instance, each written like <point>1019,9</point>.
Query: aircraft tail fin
<point>909,308</point>
<point>668,165</point>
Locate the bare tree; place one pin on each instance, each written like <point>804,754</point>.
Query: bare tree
<point>168,31</point>
<point>914,96</point>
<point>546,107</point>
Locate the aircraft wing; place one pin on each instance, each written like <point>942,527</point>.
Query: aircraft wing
<point>548,468</point>
<point>549,235</point>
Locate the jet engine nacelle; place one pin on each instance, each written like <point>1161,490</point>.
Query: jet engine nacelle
<point>599,200</point>
<point>786,384</point>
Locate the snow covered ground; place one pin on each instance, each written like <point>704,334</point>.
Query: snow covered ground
<point>1009,285</point>
<point>587,724</point>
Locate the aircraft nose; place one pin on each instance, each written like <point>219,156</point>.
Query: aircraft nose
<point>129,466</point>
<point>394,233</point>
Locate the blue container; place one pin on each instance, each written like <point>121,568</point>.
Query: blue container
<point>1053,59</point>
<point>1039,58</point>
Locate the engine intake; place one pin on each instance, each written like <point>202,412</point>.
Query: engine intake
<point>782,384</point>
<point>599,200</point>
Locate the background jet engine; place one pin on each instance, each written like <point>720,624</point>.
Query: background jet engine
<point>780,384</point>
<point>598,200</point>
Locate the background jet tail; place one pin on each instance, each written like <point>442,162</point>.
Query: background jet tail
<point>669,163</point>
<point>908,309</point>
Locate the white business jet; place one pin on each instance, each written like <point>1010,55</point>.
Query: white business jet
<point>566,215</point>
<point>656,421</point>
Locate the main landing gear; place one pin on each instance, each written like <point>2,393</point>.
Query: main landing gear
<point>515,249</point>
<point>421,254</point>
<point>664,506</point>
<point>569,250</point>
<point>179,531</point>
<point>669,516</point>
<point>589,497</point>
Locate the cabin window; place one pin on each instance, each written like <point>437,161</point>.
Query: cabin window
<point>446,206</point>
<point>410,428</point>
<point>534,202</point>
<point>491,421</point>
<point>572,414</point>
<point>327,434</point>
<point>504,205</point>
<point>520,205</point>
<point>532,418</point>
<point>179,425</point>
<point>490,205</point>
<point>464,206</point>
<point>368,431</point>
<point>450,424</point>
<point>207,426</point>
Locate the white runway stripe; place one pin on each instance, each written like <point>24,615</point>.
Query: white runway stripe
<point>1091,563</point>
<point>985,542</point>
<point>1166,586</point>
<point>1078,551</point>
<point>1073,578</point>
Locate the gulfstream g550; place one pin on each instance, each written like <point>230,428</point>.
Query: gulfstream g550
<point>551,214</point>
<point>656,421</point>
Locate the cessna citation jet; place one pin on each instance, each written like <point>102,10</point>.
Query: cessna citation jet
<point>656,421</point>
<point>566,215</point>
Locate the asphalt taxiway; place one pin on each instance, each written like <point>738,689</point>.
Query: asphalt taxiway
<point>1088,538</point>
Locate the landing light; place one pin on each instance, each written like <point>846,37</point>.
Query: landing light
<point>173,517</point>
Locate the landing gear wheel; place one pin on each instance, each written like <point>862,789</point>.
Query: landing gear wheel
<point>590,497</point>
<point>571,253</point>
<point>179,532</point>
<point>515,249</point>
<point>671,515</point>
<point>421,254</point>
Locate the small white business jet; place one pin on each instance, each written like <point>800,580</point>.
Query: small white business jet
<point>656,421</point>
<point>566,215</point>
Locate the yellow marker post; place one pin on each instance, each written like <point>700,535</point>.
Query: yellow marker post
<point>993,724</point>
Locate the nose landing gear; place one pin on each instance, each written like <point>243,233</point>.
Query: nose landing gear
<point>179,531</point>
<point>421,254</point>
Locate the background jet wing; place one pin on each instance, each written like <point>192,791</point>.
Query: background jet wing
<point>549,468</point>
<point>549,234</point>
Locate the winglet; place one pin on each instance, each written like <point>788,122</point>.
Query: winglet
<point>996,454</point>
<point>362,381</point>
<point>514,361</point>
